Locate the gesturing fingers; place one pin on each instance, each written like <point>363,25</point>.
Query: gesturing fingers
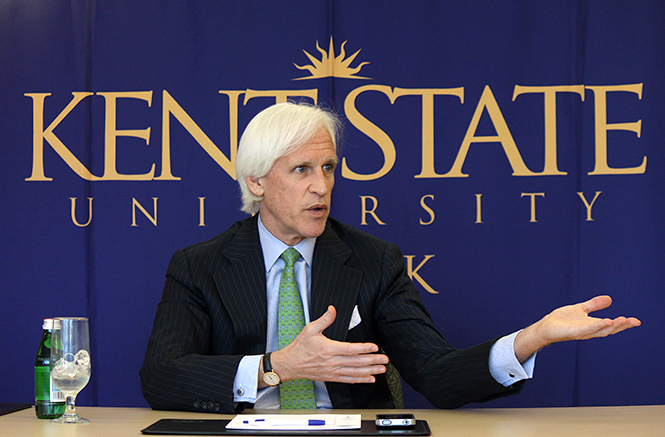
<point>352,368</point>
<point>595,304</point>
<point>313,356</point>
<point>611,327</point>
<point>319,325</point>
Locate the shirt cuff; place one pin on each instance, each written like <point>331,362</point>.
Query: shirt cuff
<point>505,367</point>
<point>245,384</point>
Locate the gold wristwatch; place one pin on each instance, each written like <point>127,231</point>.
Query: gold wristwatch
<point>269,375</point>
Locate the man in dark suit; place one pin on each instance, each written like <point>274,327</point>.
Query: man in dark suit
<point>215,344</point>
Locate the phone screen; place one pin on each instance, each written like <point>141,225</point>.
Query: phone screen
<point>395,420</point>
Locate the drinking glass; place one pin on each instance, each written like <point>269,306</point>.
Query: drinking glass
<point>70,363</point>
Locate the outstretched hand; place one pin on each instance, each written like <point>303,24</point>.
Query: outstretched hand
<point>313,356</point>
<point>570,322</point>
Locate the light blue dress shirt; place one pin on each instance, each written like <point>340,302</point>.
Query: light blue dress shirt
<point>504,366</point>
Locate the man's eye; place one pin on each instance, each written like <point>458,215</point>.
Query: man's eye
<point>328,167</point>
<point>300,169</point>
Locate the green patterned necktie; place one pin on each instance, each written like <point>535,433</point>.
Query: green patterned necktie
<point>296,393</point>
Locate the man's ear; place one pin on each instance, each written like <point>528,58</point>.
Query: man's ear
<point>254,185</point>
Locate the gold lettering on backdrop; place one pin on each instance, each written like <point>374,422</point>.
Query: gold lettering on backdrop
<point>39,135</point>
<point>479,213</point>
<point>371,130</point>
<point>487,101</point>
<point>383,140</point>
<point>171,107</point>
<point>413,273</point>
<point>428,209</point>
<point>549,95</point>
<point>136,204</point>
<point>364,211</point>
<point>427,161</point>
<point>111,133</point>
<point>602,126</point>
<point>533,204</point>
<point>202,211</point>
<point>587,205</point>
<point>72,200</point>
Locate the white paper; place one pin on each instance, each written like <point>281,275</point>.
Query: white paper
<point>296,422</point>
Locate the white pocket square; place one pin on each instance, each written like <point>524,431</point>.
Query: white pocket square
<point>355,318</point>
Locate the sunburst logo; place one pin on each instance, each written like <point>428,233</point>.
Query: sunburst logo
<point>331,65</point>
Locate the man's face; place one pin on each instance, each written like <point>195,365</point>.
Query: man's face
<point>296,191</point>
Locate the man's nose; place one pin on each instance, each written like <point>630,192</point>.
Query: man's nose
<point>320,183</point>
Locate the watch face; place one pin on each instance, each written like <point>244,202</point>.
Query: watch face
<point>271,378</point>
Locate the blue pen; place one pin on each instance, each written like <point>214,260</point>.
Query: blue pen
<point>285,422</point>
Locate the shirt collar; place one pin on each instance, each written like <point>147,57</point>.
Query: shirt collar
<point>272,247</point>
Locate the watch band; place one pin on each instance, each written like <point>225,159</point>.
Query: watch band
<point>267,365</point>
<point>269,375</point>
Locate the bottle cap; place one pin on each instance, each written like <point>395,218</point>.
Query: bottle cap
<point>51,324</point>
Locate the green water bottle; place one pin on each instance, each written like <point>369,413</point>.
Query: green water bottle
<point>49,401</point>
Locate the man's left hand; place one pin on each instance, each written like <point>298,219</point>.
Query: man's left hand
<point>570,322</point>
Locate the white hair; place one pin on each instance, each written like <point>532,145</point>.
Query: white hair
<point>275,132</point>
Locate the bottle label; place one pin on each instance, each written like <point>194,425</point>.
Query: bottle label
<point>56,394</point>
<point>45,390</point>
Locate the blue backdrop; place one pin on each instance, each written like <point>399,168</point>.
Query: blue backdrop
<point>512,149</point>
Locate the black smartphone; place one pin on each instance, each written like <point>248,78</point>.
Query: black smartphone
<point>395,421</point>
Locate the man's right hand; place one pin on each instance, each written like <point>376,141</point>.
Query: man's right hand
<point>313,356</point>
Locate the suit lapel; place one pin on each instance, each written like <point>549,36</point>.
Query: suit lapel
<point>334,283</point>
<point>242,286</point>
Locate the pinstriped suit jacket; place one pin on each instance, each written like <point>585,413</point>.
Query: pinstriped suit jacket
<point>213,312</point>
